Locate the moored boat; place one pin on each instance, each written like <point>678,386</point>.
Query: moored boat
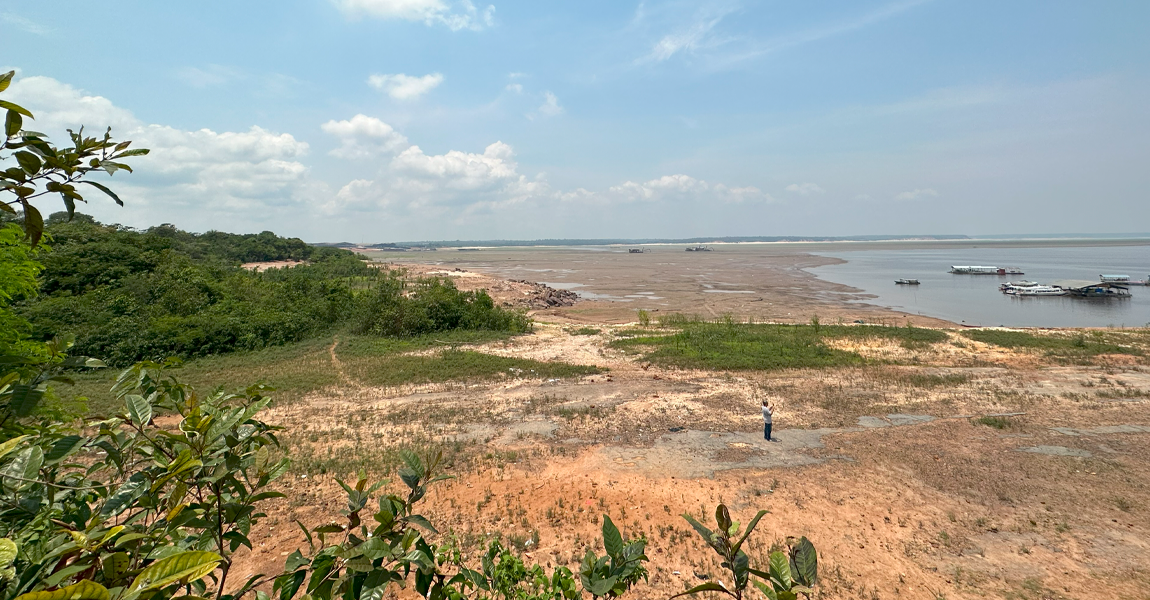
<point>906,281</point>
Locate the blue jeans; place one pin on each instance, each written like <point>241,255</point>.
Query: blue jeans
<point>766,431</point>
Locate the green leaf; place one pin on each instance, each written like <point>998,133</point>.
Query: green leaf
<point>8,551</point>
<point>6,80</point>
<point>612,540</point>
<point>805,562</point>
<point>29,162</point>
<point>115,566</point>
<point>16,107</point>
<point>134,152</point>
<point>85,590</point>
<point>722,518</point>
<point>11,444</point>
<point>780,571</point>
<point>33,222</point>
<point>105,189</point>
<point>139,409</point>
<point>25,465</point>
<point>699,527</point>
<point>421,521</point>
<point>260,460</point>
<point>24,398</point>
<point>125,495</point>
<point>289,584</point>
<point>766,590</point>
<point>13,122</point>
<point>63,447</point>
<point>750,527</point>
<point>295,560</point>
<point>184,568</point>
<point>710,586</point>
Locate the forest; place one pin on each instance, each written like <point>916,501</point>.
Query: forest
<point>129,295</point>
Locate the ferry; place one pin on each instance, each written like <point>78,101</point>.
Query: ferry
<point>1017,284</point>
<point>1123,280</point>
<point>1035,290</point>
<point>906,281</point>
<point>984,270</point>
<point>1093,289</point>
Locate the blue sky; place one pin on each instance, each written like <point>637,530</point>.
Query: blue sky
<point>378,120</point>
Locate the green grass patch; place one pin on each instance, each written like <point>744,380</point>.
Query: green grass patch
<point>729,345</point>
<point>995,422</point>
<point>928,380</point>
<point>456,365</point>
<point>298,369</point>
<point>585,331</point>
<point>1073,347</point>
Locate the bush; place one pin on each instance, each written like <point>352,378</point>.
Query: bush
<point>403,309</point>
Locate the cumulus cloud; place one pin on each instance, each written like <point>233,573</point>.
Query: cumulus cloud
<point>414,180</point>
<point>457,16</point>
<point>916,193</point>
<point>805,189</point>
<point>208,170</point>
<point>405,87</point>
<point>364,137</point>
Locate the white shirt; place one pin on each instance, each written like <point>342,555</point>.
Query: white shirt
<point>766,415</point>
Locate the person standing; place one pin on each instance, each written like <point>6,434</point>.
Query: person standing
<point>768,412</point>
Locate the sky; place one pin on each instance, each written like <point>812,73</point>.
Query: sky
<point>402,120</point>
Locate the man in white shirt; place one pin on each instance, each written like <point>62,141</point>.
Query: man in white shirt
<point>768,411</point>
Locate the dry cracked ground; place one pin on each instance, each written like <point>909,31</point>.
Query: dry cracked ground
<point>886,467</point>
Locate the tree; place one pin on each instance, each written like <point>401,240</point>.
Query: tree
<point>43,169</point>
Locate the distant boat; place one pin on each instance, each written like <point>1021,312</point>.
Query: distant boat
<point>1035,290</point>
<point>906,281</point>
<point>973,270</point>
<point>698,249</point>
<point>635,251</point>
<point>985,270</point>
<point>1017,284</point>
<point>1091,289</point>
<point>1123,280</point>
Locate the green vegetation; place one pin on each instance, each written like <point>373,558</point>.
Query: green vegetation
<point>728,345</point>
<point>296,369</point>
<point>1070,348</point>
<point>585,331</point>
<point>148,295</point>
<point>995,422</point>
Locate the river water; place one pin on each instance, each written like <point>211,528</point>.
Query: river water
<point>975,299</point>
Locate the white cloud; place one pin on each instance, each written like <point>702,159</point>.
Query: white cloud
<point>550,106</point>
<point>461,15</point>
<point>405,87</point>
<point>805,189</point>
<point>683,188</point>
<point>364,137</point>
<point>694,37</point>
<point>201,170</point>
<point>515,87</point>
<point>915,194</point>
<point>23,23</point>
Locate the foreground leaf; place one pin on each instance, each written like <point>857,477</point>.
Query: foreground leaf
<point>184,568</point>
<point>85,590</point>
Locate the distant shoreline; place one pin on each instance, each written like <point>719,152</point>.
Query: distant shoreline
<point>799,241</point>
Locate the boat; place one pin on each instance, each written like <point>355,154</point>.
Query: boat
<point>1036,290</point>
<point>635,251</point>
<point>906,281</point>
<point>984,270</point>
<point>698,249</point>
<point>1123,279</point>
<point>973,270</point>
<point>1017,284</point>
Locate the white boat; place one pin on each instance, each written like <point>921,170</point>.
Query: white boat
<point>1017,284</point>
<point>1036,290</point>
<point>906,281</point>
<point>973,270</point>
<point>1123,279</point>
